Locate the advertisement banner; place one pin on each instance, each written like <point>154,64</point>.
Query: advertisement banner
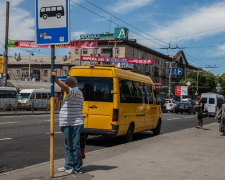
<point>71,45</point>
<point>181,91</point>
<point>116,60</point>
<point>158,83</point>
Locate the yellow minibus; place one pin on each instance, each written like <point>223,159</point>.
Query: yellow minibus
<point>117,102</point>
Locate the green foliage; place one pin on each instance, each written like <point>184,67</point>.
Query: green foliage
<point>207,82</point>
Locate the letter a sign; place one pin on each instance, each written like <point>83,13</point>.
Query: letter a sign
<point>121,33</point>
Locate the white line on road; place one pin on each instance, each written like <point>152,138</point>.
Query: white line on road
<point>55,133</point>
<point>9,122</point>
<point>50,120</point>
<point>5,139</point>
<point>172,119</point>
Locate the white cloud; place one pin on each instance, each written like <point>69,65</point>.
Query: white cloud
<point>125,6</point>
<point>21,22</point>
<point>193,21</point>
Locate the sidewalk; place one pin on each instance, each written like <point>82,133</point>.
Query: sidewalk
<point>24,112</point>
<point>184,155</point>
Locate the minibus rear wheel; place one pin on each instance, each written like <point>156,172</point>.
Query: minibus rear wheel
<point>130,133</point>
<point>157,130</point>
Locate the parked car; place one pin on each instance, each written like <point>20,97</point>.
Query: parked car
<point>169,103</point>
<point>185,107</point>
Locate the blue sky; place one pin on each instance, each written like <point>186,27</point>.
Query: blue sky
<point>196,25</point>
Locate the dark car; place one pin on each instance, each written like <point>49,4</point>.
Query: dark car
<point>184,107</point>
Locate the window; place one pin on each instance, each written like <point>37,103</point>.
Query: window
<point>211,100</point>
<point>138,92</point>
<point>148,92</point>
<point>139,56</point>
<point>44,95</point>
<point>85,63</point>
<point>117,52</point>
<point>17,72</point>
<point>205,100</point>
<point>132,53</point>
<point>45,72</point>
<point>126,91</point>
<point>42,9</point>
<point>101,89</point>
<point>48,9</point>
<point>77,62</point>
<point>106,50</point>
<point>96,89</point>
<point>38,95</point>
<point>65,72</point>
<point>8,94</point>
<point>53,8</point>
<point>96,51</point>
<point>85,51</point>
<point>59,8</point>
<point>77,51</point>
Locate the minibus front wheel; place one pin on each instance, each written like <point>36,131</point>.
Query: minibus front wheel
<point>130,133</point>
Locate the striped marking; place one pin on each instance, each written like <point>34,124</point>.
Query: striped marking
<point>9,122</point>
<point>4,139</point>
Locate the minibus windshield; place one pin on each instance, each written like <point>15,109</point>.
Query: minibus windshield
<point>23,96</point>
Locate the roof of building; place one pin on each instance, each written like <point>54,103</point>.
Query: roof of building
<point>39,60</point>
<point>31,85</point>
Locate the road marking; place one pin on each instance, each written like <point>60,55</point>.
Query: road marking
<point>9,122</point>
<point>5,139</point>
<point>55,133</point>
<point>50,120</point>
<point>172,119</point>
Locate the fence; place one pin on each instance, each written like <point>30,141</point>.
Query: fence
<point>8,104</point>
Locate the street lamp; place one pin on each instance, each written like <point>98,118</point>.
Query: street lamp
<point>169,91</point>
<point>30,53</point>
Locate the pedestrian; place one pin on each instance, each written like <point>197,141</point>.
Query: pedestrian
<point>71,123</point>
<point>221,127</point>
<point>218,112</point>
<point>200,112</point>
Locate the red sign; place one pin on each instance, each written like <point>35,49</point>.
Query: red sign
<point>71,45</point>
<point>158,84</point>
<point>116,60</point>
<point>178,91</point>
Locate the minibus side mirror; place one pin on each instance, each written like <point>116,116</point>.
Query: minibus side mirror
<point>113,92</point>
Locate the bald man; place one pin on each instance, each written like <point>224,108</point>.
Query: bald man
<point>71,122</point>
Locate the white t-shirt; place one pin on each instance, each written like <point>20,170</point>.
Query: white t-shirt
<point>70,113</point>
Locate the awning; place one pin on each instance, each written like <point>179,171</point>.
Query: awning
<point>31,85</point>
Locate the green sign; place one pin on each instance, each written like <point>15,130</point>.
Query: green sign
<point>97,36</point>
<point>121,33</point>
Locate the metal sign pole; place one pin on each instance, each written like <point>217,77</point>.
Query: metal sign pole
<point>52,113</point>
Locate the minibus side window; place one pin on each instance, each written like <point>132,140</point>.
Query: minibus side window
<point>138,87</point>
<point>148,92</point>
<point>205,100</point>
<point>211,101</point>
<point>83,83</point>
<point>126,91</point>
<point>38,95</point>
<point>101,89</point>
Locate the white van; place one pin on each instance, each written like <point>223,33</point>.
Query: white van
<point>33,98</point>
<point>211,100</point>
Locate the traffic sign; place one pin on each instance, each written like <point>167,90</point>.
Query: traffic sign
<point>52,22</point>
<point>218,90</point>
<point>177,71</point>
<point>188,83</point>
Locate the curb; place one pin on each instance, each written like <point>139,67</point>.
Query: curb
<point>24,114</point>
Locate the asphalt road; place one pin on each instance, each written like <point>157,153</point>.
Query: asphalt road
<point>24,140</point>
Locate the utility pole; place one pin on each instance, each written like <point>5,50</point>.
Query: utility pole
<point>169,91</point>
<point>6,46</point>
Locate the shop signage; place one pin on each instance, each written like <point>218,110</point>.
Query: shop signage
<point>158,84</point>
<point>97,36</point>
<point>116,60</point>
<point>71,45</point>
<point>121,33</point>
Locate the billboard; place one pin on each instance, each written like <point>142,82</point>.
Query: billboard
<point>117,60</point>
<point>181,91</point>
<point>71,45</point>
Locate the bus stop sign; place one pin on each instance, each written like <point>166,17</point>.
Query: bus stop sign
<point>52,22</point>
